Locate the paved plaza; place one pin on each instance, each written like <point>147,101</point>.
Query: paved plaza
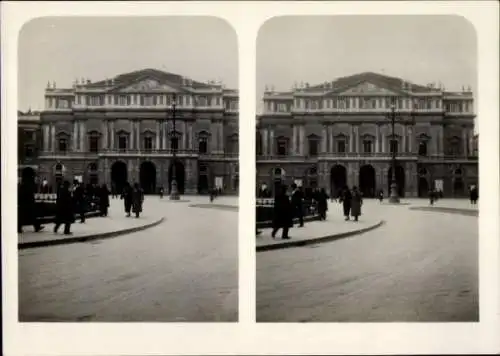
<point>418,266</point>
<point>184,269</point>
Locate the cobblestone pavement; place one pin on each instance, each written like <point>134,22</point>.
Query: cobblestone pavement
<point>115,221</point>
<point>419,266</point>
<point>185,269</point>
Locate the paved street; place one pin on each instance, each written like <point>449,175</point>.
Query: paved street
<point>419,266</point>
<point>185,269</point>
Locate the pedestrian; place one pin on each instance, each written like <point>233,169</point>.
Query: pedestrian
<point>64,209</point>
<point>104,200</point>
<point>322,200</point>
<point>381,195</point>
<point>473,195</point>
<point>345,199</point>
<point>212,193</point>
<point>283,212</point>
<point>137,199</point>
<point>161,192</point>
<point>27,209</point>
<point>80,200</point>
<point>356,202</point>
<point>298,203</point>
<point>432,196</point>
<point>127,198</point>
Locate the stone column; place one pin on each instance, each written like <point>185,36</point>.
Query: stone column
<point>265,141</point>
<point>104,143</point>
<point>377,139</point>
<point>405,133</point>
<point>112,135</point>
<point>132,134</point>
<point>52,137</point>
<point>294,140</point>
<point>221,137</point>
<point>410,139</point>
<point>356,130</point>
<point>351,139</point>
<point>302,139</point>
<point>470,141</point>
<point>331,140</point>
<point>384,139</point>
<point>157,138</point>
<point>271,142</point>
<point>191,144</point>
<point>83,136</point>
<point>138,134</point>
<point>465,142</point>
<point>46,137</point>
<point>324,139</point>
<point>213,137</point>
<point>74,136</point>
<point>164,135</point>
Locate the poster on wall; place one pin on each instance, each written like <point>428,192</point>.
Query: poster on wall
<point>438,185</point>
<point>218,182</point>
<point>298,182</point>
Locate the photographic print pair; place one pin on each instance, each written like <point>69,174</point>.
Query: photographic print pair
<point>366,158</point>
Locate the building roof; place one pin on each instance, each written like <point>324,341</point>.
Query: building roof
<point>391,83</point>
<point>129,78</point>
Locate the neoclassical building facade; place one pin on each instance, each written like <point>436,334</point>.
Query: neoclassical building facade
<point>339,133</point>
<point>122,129</point>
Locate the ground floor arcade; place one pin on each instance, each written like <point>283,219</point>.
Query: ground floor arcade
<point>414,179</point>
<point>192,175</point>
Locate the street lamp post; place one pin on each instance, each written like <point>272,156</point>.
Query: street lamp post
<point>174,193</point>
<point>394,196</point>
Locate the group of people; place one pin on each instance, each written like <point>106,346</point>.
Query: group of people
<point>288,207</point>
<point>133,198</point>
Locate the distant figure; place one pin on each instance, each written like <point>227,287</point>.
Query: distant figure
<point>298,203</point>
<point>381,195</point>
<point>137,199</point>
<point>283,213</point>
<point>432,196</point>
<point>64,209</point>
<point>322,199</point>
<point>356,202</point>
<point>473,195</point>
<point>26,206</point>
<point>127,198</point>
<point>213,194</point>
<point>80,198</point>
<point>104,200</point>
<point>161,192</point>
<point>345,199</point>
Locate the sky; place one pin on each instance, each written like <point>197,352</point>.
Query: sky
<point>63,49</point>
<point>315,49</point>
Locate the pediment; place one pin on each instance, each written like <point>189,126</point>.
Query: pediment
<point>148,85</point>
<point>367,88</point>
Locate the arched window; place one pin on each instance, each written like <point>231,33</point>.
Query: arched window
<point>123,141</point>
<point>93,138</point>
<point>341,143</point>
<point>454,147</point>
<point>282,146</point>
<point>174,140</point>
<point>63,142</point>
<point>203,142</point>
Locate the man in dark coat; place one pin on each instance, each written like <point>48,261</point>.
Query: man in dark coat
<point>322,200</point>
<point>283,213</point>
<point>345,199</point>
<point>26,206</point>
<point>104,200</point>
<point>80,201</point>
<point>356,202</point>
<point>137,199</point>
<point>127,198</point>
<point>64,209</point>
<point>298,204</point>
<point>473,194</point>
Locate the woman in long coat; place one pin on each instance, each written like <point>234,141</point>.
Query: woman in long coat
<point>356,202</point>
<point>127,198</point>
<point>345,199</point>
<point>137,199</point>
<point>283,213</point>
<point>104,200</point>
<point>322,199</point>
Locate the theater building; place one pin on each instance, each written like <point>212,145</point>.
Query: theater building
<point>122,129</point>
<point>339,133</point>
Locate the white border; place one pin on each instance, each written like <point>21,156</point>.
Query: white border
<point>246,336</point>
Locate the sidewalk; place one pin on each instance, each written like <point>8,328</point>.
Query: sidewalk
<point>113,225</point>
<point>316,232</point>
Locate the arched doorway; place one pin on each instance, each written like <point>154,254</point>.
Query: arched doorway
<point>203,179</point>
<point>179,176</point>
<point>367,181</point>
<point>28,175</point>
<point>423,183</point>
<point>147,177</point>
<point>119,176</point>
<point>338,179</point>
<point>400,180</point>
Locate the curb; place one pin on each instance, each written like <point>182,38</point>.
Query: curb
<point>328,238</point>
<point>215,206</point>
<point>51,219</point>
<point>269,223</point>
<point>71,240</point>
<point>457,211</point>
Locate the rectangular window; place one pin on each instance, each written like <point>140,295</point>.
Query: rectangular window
<point>63,145</point>
<point>180,100</point>
<point>282,148</point>
<point>313,148</point>
<point>148,143</point>
<point>367,146</point>
<point>174,143</point>
<point>122,143</point>
<point>94,144</point>
<point>394,146</point>
<point>341,146</point>
<point>217,101</point>
<point>203,145</point>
